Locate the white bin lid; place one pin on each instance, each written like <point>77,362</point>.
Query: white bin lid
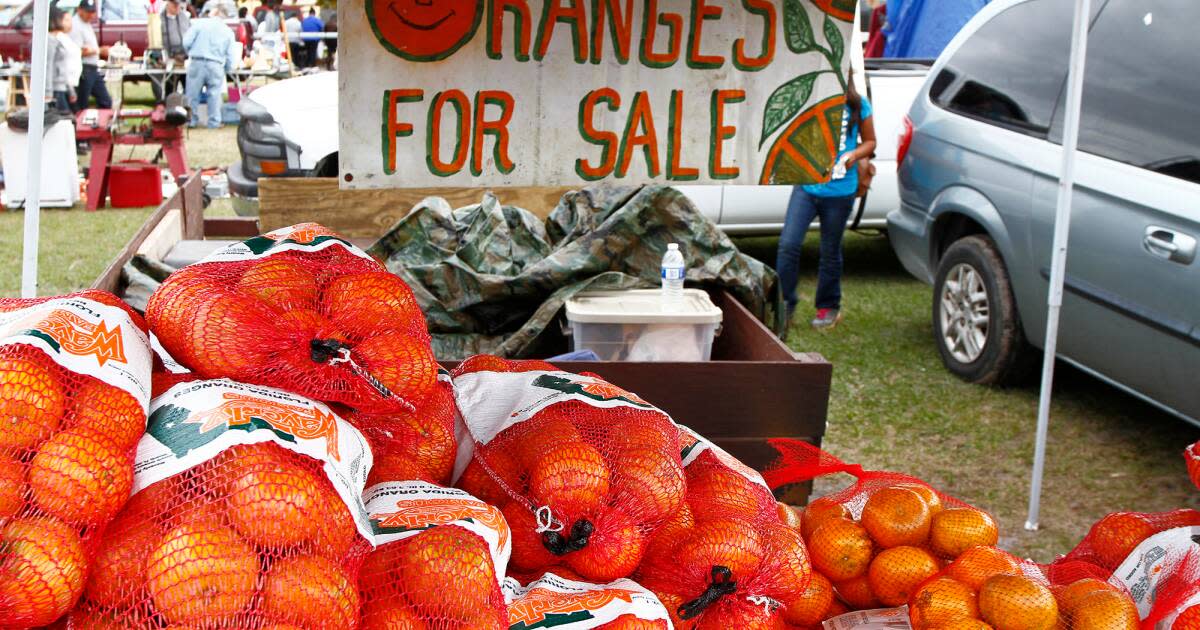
<point>642,306</point>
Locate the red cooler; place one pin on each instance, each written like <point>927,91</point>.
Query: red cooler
<point>134,184</point>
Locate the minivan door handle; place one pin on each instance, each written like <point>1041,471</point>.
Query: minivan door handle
<point>1170,245</point>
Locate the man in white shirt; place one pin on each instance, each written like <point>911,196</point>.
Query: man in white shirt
<point>91,81</point>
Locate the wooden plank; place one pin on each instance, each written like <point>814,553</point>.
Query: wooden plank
<point>110,278</point>
<point>193,207</point>
<point>742,334</point>
<point>284,201</point>
<point>164,236</point>
<point>230,227</point>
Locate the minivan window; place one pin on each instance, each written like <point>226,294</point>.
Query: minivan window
<point>1140,91</point>
<point>1011,71</point>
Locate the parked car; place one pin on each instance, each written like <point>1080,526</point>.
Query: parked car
<point>289,129</point>
<point>979,169</point>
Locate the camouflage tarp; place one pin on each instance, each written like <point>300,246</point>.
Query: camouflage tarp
<point>493,278</point>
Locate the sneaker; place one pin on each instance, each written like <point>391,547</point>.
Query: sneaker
<point>826,318</point>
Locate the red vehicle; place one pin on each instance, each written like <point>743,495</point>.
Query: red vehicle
<point>16,35</point>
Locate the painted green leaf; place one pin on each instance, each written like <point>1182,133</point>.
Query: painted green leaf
<point>797,30</point>
<point>836,46</point>
<point>786,102</point>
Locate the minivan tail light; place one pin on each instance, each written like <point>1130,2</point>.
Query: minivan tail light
<point>906,134</point>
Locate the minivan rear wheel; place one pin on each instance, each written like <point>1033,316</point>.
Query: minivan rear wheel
<point>975,321</point>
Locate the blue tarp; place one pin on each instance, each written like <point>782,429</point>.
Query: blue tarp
<point>920,29</point>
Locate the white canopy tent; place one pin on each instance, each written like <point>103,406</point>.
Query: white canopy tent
<point>33,190</point>
<point>1058,256</point>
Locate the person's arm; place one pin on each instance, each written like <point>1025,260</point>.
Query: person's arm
<point>867,148</point>
<point>189,38</point>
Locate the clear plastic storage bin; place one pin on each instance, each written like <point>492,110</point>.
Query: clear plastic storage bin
<point>639,325</point>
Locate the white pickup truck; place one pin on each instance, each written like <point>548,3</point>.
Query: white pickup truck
<point>290,129</point>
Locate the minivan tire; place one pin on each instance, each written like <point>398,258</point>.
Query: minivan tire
<point>1006,358</point>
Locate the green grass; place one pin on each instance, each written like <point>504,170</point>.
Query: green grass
<point>893,406</point>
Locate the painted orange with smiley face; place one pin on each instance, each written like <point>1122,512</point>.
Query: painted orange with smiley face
<point>424,30</point>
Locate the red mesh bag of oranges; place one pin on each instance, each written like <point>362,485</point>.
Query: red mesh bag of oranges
<point>1192,457</point>
<point>247,512</point>
<point>562,600</point>
<point>1112,540</point>
<point>74,389</point>
<point>413,445</point>
<point>880,538</point>
<point>1174,602</point>
<point>584,471</point>
<point>728,559</point>
<point>300,309</point>
<point>986,587</point>
<point>439,557</point>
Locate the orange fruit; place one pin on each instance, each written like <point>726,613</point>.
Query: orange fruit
<point>928,494</point>
<point>371,301</point>
<point>1013,602</point>
<point>857,593</point>
<point>740,614</point>
<point>672,602</point>
<point>226,335</point>
<point>571,478</point>
<point>1105,610</point>
<point>631,622</point>
<point>941,600</point>
<point>648,483</point>
<point>788,515</point>
<point>153,503</point>
<point>720,491</point>
<point>528,552</point>
<point>841,549</point>
<point>819,511</point>
<point>1115,536</point>
<point>275,503</point>
<point>896,573</point>
<point>336,531</point>
<point>12,487</point>
<point>672,532</point>
<point>389,615</point>
<point>447,572</point>
<point>731,543</point>
<point>1070,595</point>
<point>533,438</point>
<point>403,363</point>
<point>896,517</point>
<point>201,573</point>
<point>280,282</point>
<point>118,572</point>
<point>81,477</point>
<point>109,411</point>
<point>614,550</point>
<point>311,592</point>
<point>786,560</point>
<point>31,399</point>
<point>810,606</point>
<point>974,566</point>
<point>1189,619</point>
<point>962,624</point>
<point>42,568</point>
<point>394,466</point>
<point>89,619</point>
<point>430,443</point>
<point>476,480</point>
<point>835,609</point>
<point>958,529</point>
<point>645,430</point>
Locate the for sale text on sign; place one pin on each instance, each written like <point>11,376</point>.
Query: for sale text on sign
<point>563,92</point>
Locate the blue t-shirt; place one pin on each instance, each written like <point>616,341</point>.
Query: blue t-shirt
<point>847,185</point>
<point>311,24</point>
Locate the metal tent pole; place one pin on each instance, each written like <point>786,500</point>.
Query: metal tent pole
<point>35,98</point>
<point>1058,256</point>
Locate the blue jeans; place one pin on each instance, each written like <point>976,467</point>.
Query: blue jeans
<point>206,75</point>
<point>802,208</point>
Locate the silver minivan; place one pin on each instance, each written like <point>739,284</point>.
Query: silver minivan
<point>980,157</point>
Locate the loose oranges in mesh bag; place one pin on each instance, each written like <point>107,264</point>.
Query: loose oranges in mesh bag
<point>413,445</point>
<point>247,512</point>
<point>1113,538</point>
<point>558,599</point>
<point>880,538</point>
<point>584,471</point>
<point>300,309</point>
<point>727,559</point>
<point>74,388</point>
<point>439,557</point>
<point>989,588</point>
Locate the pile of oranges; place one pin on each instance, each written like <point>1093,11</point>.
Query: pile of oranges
<point>903,536</point>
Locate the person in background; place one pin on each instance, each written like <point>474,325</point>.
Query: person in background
<point>832,202</point>
<point>270,19</point>
<point>331,42</point>
<point>175,24</point>
<point>124,10</point>
<point>295,46</point>
<point>311,25</point>
<point>245,16</point>
<point>58,63</point>
<point>209,45</point>
<point>91,82</point>
<point>228,6</point>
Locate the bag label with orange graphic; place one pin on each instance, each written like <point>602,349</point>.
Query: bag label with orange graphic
<point>302,237</point>
<point>402,509</point>
<point>695,445</point>
<point>556,602</point>
<point>193,422</point>
<point>85,337</point>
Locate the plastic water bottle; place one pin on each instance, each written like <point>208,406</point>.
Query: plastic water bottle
<point>672,274</point>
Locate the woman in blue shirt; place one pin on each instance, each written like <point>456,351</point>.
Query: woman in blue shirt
<point>832,202</point>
